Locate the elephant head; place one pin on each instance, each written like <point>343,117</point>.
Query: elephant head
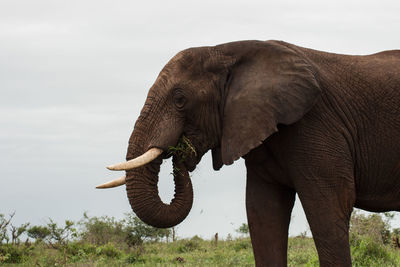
<point>228,98</point>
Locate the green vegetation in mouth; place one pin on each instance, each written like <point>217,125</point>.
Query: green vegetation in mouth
<point>183,149</point>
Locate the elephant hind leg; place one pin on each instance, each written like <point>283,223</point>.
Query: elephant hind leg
<point>269,207</point>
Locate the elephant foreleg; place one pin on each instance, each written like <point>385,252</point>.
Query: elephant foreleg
<point>269,207</point>
<point>329,218</point>
<point>327,195</point>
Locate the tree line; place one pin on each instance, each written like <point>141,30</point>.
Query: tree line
<point>95,230</point>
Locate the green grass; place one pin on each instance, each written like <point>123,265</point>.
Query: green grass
<point>302,252</point>
<point>185,252</point>
<point>183,149</point>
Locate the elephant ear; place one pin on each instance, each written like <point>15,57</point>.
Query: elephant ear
<point>271,84</point>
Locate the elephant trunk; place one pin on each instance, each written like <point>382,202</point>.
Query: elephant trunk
<point>142,187</point>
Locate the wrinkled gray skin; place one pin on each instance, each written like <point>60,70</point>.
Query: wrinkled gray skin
<point>324,126</point>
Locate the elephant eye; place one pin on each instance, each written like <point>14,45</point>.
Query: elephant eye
<point>179,101</point>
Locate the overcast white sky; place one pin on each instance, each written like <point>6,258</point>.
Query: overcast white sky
<point>74,76</point>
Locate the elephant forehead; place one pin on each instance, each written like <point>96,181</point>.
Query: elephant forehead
<point>185,78</point>
<point>191,59</point>
<point>182,60</point>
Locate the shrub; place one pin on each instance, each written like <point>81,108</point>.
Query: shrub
<point>372,226</point>
<point>130,231</point>
<point>368,252</point>
<point>241,244</point>
<point>78,248</point>
<point>102,230</point>
<point>134,258</point>
<point>197,239</point>
<point>109,250</point>
<point>188,245</point>
<point>138,232</point>
<point>13,254</point>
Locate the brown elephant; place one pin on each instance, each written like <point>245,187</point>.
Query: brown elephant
<point>322,125</point>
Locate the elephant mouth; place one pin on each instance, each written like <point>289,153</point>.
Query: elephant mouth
<point>191,163</point>
<point>187,152</point>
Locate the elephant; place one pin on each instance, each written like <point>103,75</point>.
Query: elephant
<point>320,125</point>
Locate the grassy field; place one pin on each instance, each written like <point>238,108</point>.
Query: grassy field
<point>105,241</point>
<point>185,252</point>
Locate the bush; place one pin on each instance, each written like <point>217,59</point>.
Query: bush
<point>130,231</point>
<point>197,239</point>
<point>102,230</point>
<point>368,252</point>
<point>242,244</point>
<point>371,226</point>
<point>78,248</point>
<point>138,232</point>
<point>134,258</point>
<point>109,250</point>
<point>188,245</point>
<point>13,254</point>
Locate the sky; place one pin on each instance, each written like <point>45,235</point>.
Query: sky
<point>74,76</point>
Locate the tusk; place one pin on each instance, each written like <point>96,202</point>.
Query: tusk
<point>147,157</point>
<point>114,183</point>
